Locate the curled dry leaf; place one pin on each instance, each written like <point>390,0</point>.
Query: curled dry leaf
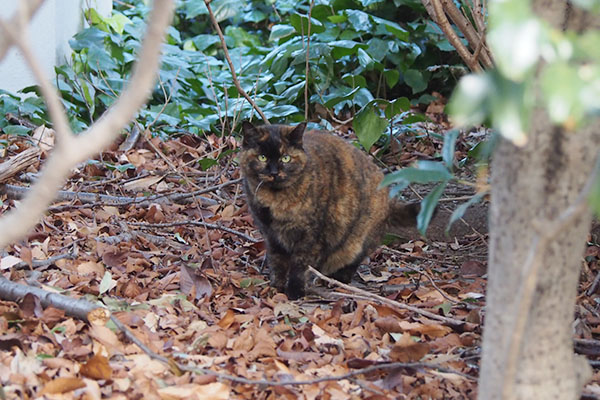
<point>211,391</point>
<point>62,385</point>
<point>97,368</point>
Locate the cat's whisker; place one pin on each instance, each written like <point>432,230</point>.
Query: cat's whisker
<point>258,186</point>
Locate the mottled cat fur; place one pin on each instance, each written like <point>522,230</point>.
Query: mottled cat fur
<point>316,199</point>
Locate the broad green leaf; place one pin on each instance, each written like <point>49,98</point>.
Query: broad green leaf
<point>369,126</point>
<point>448,149</point>
<point>428,206</point>
<point>415,80</point>
<point>469,104</point>
<point>391,77</point>
<point>224,9</point>
<point>336,19</point>
<point>364,59</point>
<point>117,22</point>
<point>300,23</point>
<point>280,31</point>
<point>562,85</point>
<point>396,107</point>
<point>423,173</point>
<point>17,130</point>
<point>202,42</point>
<point>343,48</point>
<point>359,20</point>
<point>460,210</point>
<point>393,28</point>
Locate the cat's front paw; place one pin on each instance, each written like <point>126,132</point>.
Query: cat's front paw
<point>294,290</point>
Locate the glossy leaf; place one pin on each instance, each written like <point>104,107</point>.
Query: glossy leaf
<point>369,126</point>
<point>428,206</point>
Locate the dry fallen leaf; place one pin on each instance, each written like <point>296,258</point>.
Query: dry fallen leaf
<point>62,385</point>
<point>97,368</point>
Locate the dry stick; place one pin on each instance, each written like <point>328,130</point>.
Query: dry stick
<point>455,323</point>
<point>196,223</point>
<point>131,139</point>
<point>532,265</point>
<point>71,149</point>
<point>19,162</point>
<point>444,24</point>
<point>95,199</point>
<point>231,67</point>
<point>312,3</point>
<point>78,308</point>
<point>463,24</point>
<point>43,263</point>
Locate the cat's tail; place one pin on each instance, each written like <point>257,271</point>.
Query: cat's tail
<point>401,214</point>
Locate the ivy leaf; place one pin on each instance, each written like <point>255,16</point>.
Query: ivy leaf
<point>448,149</point>
<point>280,31</point>
<point>425,172</point>
<point>369,126</point>
<point>415,80</point>
<point>300,23</point>
<point>460,210</point>
<point>428,205</point>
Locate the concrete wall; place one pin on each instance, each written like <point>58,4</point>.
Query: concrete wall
<point>50,30</point>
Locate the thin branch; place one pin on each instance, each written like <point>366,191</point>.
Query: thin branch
<point>464,25</point>
<point>444,24</point>
<point>196,223</point>
<point>531,268</point>
<point>312,3</point>
<point>99,199</point>
<point>230,63</point>
<point>454,323</point>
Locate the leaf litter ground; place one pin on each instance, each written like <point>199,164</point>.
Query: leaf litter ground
<point>184,273</point>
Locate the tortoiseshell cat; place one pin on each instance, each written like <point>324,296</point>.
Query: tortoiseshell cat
<point>316,199</point>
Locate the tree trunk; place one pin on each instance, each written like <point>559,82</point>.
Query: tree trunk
<point>531,189</point>
<point>532,185</point>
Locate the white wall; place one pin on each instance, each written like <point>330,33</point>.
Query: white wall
<point>50,30</point>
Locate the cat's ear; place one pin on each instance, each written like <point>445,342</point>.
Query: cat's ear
<point>295,136</point>
<point>249,132</point>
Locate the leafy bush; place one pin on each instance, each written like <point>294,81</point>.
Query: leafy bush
<point>365,57</point>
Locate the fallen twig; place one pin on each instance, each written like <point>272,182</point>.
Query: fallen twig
<point>43,263</point>
<point>17,163</point>
<point>196,223</point>
<point>454,323</point>
<point>99,199</point>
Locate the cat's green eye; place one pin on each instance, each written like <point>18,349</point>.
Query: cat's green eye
<point>262,158</point>
<point>286,159</point>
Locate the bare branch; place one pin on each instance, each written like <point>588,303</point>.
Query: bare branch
<point>312,3</point>
<point>231,67</point>
<point>76,149</point>
<point>444,24</point>
<point>449,321</point>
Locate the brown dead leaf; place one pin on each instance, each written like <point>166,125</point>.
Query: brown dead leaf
<point>115,259</point>
<point>407,350</point>
<point>142,183</point>
<point>97,368</point>
<point>193,284</point>
<point>227,319</point>
<point>107,338</point>
<point>472,268</point>
<point>211,391</point>
<point>62,385</point>
<point>44,137</point>
<point>31,306</point>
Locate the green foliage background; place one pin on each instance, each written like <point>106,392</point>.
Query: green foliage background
<point>364,55</point>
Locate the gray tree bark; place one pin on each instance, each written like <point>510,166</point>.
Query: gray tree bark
<point>531,189</point>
